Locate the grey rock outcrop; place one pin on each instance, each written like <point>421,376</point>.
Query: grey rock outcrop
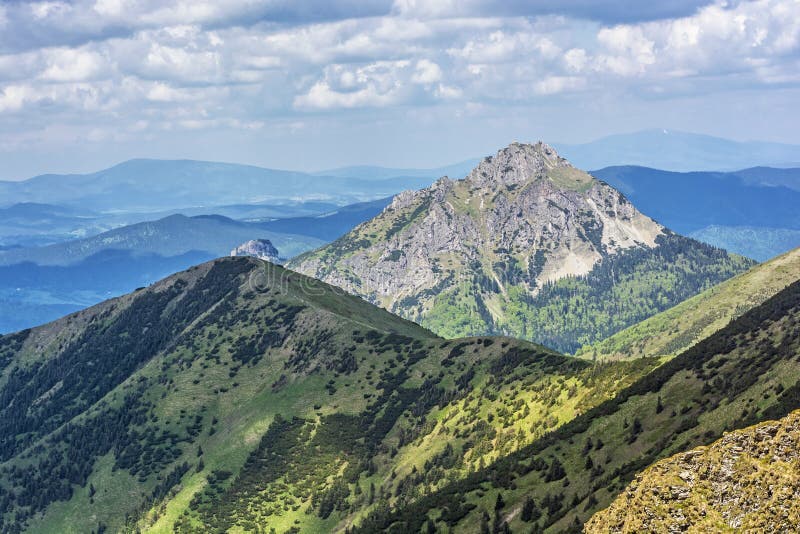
<point>258,248</point>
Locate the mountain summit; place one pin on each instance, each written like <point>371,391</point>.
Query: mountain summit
<point>527,245</point>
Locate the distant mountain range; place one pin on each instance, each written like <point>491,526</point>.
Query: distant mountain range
<point>149,185</point>
<point>171,236</point>
<point>657,148</point>
<point>679,151</point>
<point>40,284</point>
<point>330,225</point>
<point>753,212</point>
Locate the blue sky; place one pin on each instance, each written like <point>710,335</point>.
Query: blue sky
<point>318,84</point>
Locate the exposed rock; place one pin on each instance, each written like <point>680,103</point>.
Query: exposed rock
<point>258,248</point>
<point>747,481</point>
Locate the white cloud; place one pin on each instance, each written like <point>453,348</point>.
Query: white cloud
<point>575,59</point>
<point>631,51</point>
<point>448,92</point>
<point>374,85</point>
<point>170,62</point>
<point>321,96</point>
<point>13,97</point>
<point>161,92</point>
<point>43,10</point>
<point>426,72</point>
<point>72,65</point>
<point>559,84</point>
<point>227,64</point>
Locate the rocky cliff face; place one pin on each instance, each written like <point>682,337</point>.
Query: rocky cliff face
<point>748,481</point>
<point>258,248</point>
<point>520,220</point>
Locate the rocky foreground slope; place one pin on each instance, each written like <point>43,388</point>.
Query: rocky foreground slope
<point>747,481</point>
<point>525,245</point>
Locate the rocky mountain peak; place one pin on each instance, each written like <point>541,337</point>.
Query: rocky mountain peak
<point>520,163</point>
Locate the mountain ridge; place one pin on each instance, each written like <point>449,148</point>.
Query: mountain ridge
<point>673,331</point>
<point>744,374</point>
<point>144,431</point>
<point>152,184</point>
<point>679,151</point>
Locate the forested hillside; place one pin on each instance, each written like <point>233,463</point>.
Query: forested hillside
<point>671,332</point>
<point>745,373</point>
<point>239,395</point>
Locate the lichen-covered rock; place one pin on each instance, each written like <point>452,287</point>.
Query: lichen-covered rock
<point>747,481</point>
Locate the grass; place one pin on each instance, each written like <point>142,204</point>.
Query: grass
<point>678,328</point>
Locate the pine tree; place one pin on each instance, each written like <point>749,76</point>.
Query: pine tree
<point>499,504</point>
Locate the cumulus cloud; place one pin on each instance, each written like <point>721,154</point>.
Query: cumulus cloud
<point>72,65</point>
<point>237,64</point>
<point>426,72</point>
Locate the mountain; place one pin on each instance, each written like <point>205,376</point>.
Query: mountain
<point>330,224</point>
<point>679,151</point>
<point>746,481</point>
<point>782,177</point>
<point>759,243</point>
<point>690,201</point>
<point>758,218</point>
<point>149,185</point>
<point>525,245</point>
<point>171,236</point>
<point>32,224</point>
<point>673,331</point>
<point>41,284</point>
<point>744,374</point>
<point>238,393</point>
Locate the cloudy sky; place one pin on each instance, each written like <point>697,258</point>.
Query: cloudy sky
<point>311,84</point>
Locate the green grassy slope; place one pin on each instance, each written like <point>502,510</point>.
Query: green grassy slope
<point>678,328</point>
<point>239,396</point>
<point>745,373</point>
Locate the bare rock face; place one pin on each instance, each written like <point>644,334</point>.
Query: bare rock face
<point>258,248</point>
<point>747,481</point>
<point>525,205</point>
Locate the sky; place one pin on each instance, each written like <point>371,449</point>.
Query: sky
<point>315,84</point>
